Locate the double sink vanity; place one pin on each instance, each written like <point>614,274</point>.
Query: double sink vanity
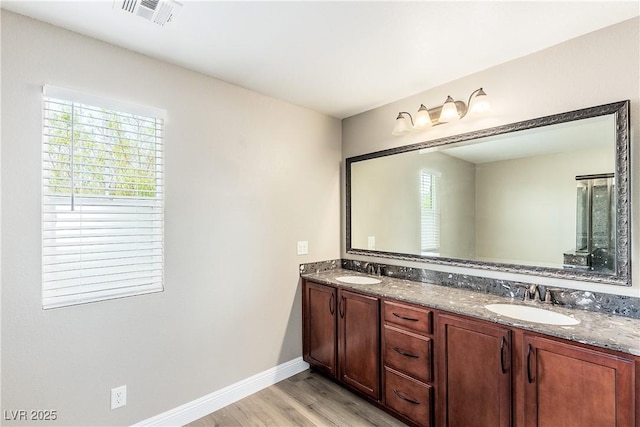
<point>435,355</point>
<point>547,198</point>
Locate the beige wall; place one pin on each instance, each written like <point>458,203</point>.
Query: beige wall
<point>512,231</point>
<point>595,69</point>
<point>380,187</point>
<point>386,203</point>
<point>246,177</point>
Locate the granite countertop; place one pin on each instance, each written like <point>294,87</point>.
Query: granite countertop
<point>597,329</point>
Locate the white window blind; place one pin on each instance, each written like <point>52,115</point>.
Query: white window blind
<point>430,212</point>
<point>102,199</point>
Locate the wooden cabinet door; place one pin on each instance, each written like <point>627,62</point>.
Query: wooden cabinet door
<point>359,342</point>
<point>319,311</point>
<point>568,386</point>
<point>474,373</point>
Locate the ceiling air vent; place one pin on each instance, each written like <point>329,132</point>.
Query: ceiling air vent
<point>157,11</point>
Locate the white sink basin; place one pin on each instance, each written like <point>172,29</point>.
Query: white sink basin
<point>531,314</point>
<point>358,280</point>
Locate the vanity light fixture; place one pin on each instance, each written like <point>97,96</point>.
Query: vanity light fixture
<point>404,123</point>
<point>449,111</point>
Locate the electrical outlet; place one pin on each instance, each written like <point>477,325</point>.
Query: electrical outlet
<point>118,396</point>
<point>303,248</point>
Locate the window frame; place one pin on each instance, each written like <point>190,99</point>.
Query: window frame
<point>99,219</point>
<point>434,236</point>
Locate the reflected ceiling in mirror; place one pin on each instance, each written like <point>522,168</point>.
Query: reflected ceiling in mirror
<point>548,196</point>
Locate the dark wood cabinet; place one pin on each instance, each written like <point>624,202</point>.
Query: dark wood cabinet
<point>474,373</point>
<point>407,354</point>
<point>319,346</point>
<point>567,385</point>
<point>359,342</point>
<point>341,336</point>
<point>409,317</point>
<point>408,397</point>
<point>490,375</point>
<point>428,366</point>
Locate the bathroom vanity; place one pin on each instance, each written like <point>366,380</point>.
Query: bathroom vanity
<point>435,356</point>
<point>547,197</point>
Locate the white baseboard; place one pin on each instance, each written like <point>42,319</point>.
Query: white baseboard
<point>205,405</point>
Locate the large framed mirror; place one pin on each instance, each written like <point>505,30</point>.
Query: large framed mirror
<point>548,196</point>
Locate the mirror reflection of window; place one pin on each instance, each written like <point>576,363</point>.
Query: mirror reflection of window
<point>429,212</point>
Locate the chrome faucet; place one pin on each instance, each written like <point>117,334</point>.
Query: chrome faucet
<point>532,292</point>
<point>372,269</point>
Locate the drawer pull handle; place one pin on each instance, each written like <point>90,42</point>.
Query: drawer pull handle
<point>405,353</point>
<point>411,319</point>
<point>401,396</point>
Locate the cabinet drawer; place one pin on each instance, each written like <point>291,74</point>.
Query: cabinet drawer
<point>414,318</point>
<point>408,353</point>
<point>408,397</point>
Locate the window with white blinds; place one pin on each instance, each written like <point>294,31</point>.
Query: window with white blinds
<point>102,199</point>
<point>430,212</point>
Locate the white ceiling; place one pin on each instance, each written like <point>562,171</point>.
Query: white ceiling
<point>340,58</point>
<point>595,133</point>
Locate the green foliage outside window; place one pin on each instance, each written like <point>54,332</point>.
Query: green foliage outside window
<point>114,153</point>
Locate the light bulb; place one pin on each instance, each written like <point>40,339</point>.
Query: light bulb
<point>480,102</point>
<point>423,119</point>
<point>449,111</point>
<point>403,125</point>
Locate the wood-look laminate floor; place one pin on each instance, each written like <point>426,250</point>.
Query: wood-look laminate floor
<point>305,399</point>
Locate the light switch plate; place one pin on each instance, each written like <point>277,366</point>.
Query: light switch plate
<point>303,247</point>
